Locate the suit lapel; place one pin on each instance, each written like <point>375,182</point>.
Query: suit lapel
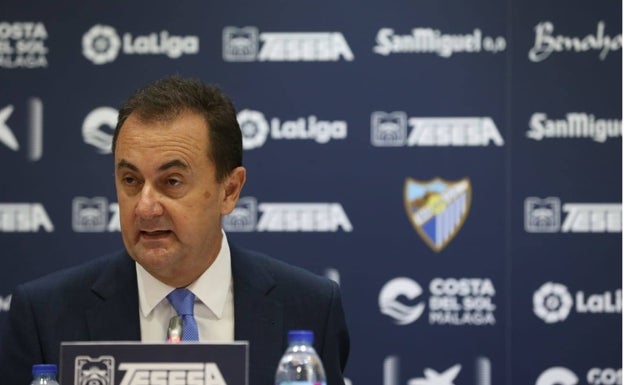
<point>258,318</point>
<point>115,316</point>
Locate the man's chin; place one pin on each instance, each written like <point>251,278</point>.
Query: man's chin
<point>152,258</point>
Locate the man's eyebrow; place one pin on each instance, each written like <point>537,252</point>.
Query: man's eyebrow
<point>125,164</point>
<point>165,166</point>
<point>173,163</point>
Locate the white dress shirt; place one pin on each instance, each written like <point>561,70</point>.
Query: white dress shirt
<point>214,302</point>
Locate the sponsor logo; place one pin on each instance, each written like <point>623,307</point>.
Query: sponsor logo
<point>248,44</point>
<point>403,314</point>
<point>546,42</point>
<point>256,129</point>
<point>192,373</point>
<point>34,129</point>
<point>24,218</point>
<point>482,368</point>
<point>98,128</point>
<point>286,217</point>
<point>5,303</point>
<point>451,301</point>
<point>6,135</point>
<point>604,376</point>
<point>543,215</point>
<point>552,302</point>
<point>575,125</point>
<point>434,41</point>
<point>437,208</point>
<point>102,44</point>
<point>96,371</point>
<point>390,129</point>
<point>432,377</point>
<point>22,45</point>
<point>559,375</point>
<point>101,371</point>
<point>94,215</point>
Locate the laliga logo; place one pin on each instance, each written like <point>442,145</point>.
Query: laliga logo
<point>255,129</point>
<point>101,44</point>
<point>552,302</point>
<point>388,300</point>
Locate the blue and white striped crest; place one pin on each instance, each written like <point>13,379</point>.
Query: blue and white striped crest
<point>437,208</point>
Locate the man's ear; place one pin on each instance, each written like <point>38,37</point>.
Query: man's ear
<point>233,185</point>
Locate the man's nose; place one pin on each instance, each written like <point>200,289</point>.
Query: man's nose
<point>149,205</point>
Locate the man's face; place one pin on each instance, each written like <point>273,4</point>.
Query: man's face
<point>169,200</point>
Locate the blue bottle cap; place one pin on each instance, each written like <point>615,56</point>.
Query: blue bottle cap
<point>301,336</point>
<point>39,369</point>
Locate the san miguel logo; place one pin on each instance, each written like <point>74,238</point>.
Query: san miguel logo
<point>437,208</point>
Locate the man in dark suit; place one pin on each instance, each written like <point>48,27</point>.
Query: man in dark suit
<point>178,170</point>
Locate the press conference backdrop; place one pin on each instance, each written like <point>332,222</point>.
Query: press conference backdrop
<point>455,166</point>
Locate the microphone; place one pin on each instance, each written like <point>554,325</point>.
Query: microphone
<point>174,331</point>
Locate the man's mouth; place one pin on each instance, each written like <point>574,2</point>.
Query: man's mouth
<point>155,234</point>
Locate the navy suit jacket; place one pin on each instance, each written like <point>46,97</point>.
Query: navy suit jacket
<point>98,301</point>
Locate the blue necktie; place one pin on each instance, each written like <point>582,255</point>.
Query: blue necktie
<point>182,301</point>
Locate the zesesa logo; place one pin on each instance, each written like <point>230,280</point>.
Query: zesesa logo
<point>287,217</point>
<point>390,129</point>
<point>24,218</point>
<point>543,215</point>
<point>243,45</point>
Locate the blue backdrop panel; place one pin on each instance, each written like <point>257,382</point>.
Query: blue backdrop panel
<point>455,166</point>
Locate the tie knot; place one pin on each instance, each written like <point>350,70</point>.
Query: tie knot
<point>182,301</point>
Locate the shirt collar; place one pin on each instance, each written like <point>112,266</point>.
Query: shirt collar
<point>211,288</point>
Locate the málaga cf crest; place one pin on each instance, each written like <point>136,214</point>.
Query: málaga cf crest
<point>437,208</point>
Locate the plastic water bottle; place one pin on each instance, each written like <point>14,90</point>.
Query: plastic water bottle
<point>300,365</point>
<point>44,374</point>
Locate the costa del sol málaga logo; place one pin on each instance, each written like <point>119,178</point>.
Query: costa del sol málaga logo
<point>552,302</point>
<point>437,208</point>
